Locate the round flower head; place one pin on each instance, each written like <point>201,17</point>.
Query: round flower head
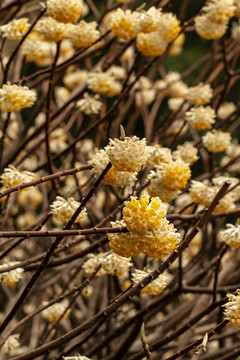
<point>219,10</point>
<point>187,152</point>
<point>232,312</point>
<point>103,83</point>
<point>83,34</point>
<point>170,27</point>
<point>141,215</point>
<point>63,209</point>
<point>231,236</point>
<point>201,118</point>
<point>125,244</point>
<point>156,286</point>
<point>11,344</point>
<point>89,104</point>
<point>114,264</point>
<point>161,241</point>
<point>53,312</point>
<point>38,51</point>
<point>200,94</point>
<point>175,174</point>
<point>158,155</point>
<point>125,24</point>
<point>113,176</point>
<point>12,177</point>
<point>118,72</point>
<point>151,44</point>
<point>93,262</point>
<point>209,29</point>
<point>14,97</point>
<point>216,141</point>
<point>15,29</point>
<point>157,189</point>
<point>129,154</point>
<point>150,20</point>
<point>11,277</point>
<point>64,11</point>
<point>75,78</point>
<point>225,110</point>
<point>51,30</point>
<point>176,46</point>
<point>145,97</point>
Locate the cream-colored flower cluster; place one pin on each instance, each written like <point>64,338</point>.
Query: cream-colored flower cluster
<point>149,233</point>
<point>225,110</point>
<point>104,83</point>
<point>15,29</point>
<point>53,312</point>
<point>200,117</point>
<point>156,286</point>
<point>13,177</point>
<point>203,194</point>
<point>64,11</point>
<point>187,152</point>
<point>89,105</point>
<point>111,264</point>
<point>231,236</point>
<point>212,23</point>
<point>16,97</point>
<point>172,85</point>
<point>216,141</point>
<point>232,152</point>
<point>83,34</point>
<point>200,94</point>
<point>11,277</point>
<point>75,78</point>
<point>63,209</point>
<point>11,344</point>
<point>168,179</point>
<point>232,312</point>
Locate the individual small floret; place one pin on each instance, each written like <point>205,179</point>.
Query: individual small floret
<point>125,24</point>
<point>141,215</point>
<point>187,152</point>
<point>175,174</point>
<point>113,176</point>
<point>11,344</point>
<point>63,209</point>
<point>103,83</point>
<point>64,11</point>
<point>209,29</point>
<point>83,34</point>
<point>201,118</point>
<point>51,30</point>
<point>11,277</point>
<point>219,10</point>
<point>232,307</point>
<point>231,236</point>
<point>75,78</point>
<point>55,311</point>
<point>89,104</point>
<point>129,154</point>
<point>15,29</point>
<point>15,97</point>
<point>156,286</point>
<point>13,177</point>
<point>200,94</point>
<point>225,110</point>
<point>216,141</point>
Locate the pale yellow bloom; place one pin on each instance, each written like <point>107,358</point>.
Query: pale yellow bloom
<point>103,83</point>
<point>156,286</point>
<point>11,344</point>
<point>187,152</point>
<point>15,29</point>
<point>12,177</point>
<point>200,94</point>
<point>216,141</point>
<point>125,24</point>
<point>53,312</point>
<point>175,174</point>
<point>176,46</point>
<point>75,78</point>
<point>232,307</point>
<point>63,209</point>
<point>209,29</point>
<point>225,110</point>
<point>11,277</point>
<point>64,11</point>
<point>15,97</point>
<point>89,104</point>
<point>219,10</point>
<point>200,117</point>
<point>231,236</point>
<point>83,34</point>
<point>51,30</point>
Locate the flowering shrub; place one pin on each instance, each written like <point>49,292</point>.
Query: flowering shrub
<point>120,179</point>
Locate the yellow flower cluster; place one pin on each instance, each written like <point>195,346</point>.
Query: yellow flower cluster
<point>64,11</point>
<point>200,117</point>
<point>187,152</point>
<point>51,30</point>
<point>37,50</point>
<point>75,78</point>
<point>113,177</point>
<point>149,231</point>
<point>212,23</point>
<point>15,97</point>
<point>53,312</point>
<point>156,286</point>
<point>63,209</point>
<point>11,277</point>
<point>11,344</point>
<point>15,29</point>
<point>83,34</point>
<point>231,236</point>
<point>232,307</point>
<point>200,94</point>
<point>225,110</point>
<point>12,177</point>
<point>129,154</point>
<point>103,83</point>
<point>216,141</point>
<point>89,104</point>
<point>125,24</point>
